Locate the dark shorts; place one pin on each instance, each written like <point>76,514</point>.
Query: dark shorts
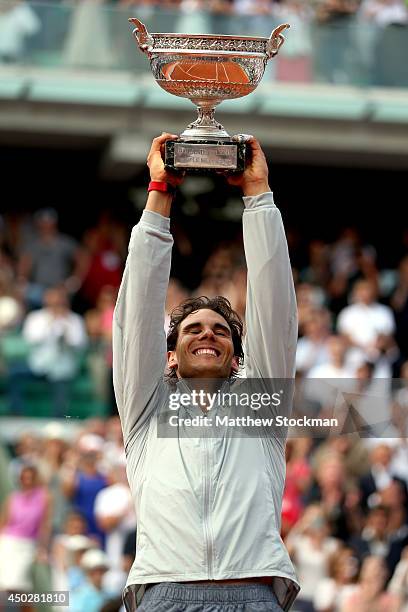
<point>179,597</point>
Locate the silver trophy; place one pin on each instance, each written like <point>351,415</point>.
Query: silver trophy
<point>207,69</point>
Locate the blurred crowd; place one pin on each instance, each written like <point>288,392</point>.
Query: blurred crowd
<point>56,306</point>
<point>57,296</point>
<point>344,519</point>
<point>332,41</point>
<point>345,506</point>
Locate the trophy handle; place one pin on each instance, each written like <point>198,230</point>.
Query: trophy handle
<point>143,38</point>
<point>276,40</point>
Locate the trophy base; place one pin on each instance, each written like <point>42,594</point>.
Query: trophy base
<point>205,155</point>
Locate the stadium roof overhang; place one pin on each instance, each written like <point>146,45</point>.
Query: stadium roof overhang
<point>119,112</point>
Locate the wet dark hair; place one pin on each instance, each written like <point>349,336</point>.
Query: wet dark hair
<point>218,304</point>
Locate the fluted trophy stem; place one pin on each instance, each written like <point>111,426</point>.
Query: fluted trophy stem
<point>205,126</point>
<point>206,117</point>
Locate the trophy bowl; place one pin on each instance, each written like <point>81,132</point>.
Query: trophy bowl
<point>207,69</point>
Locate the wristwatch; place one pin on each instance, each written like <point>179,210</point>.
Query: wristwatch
<point>161,186</point>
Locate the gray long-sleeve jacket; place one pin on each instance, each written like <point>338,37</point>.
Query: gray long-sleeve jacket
<point>207,508</point>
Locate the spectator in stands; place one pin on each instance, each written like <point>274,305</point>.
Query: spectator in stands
<point>82,50</point>
<point>353,452</point>
<point>311,546</point>
<point>378,477</point>
<point>176,294</point>
<point>371,401</point>
<point>256,18</point>
<point>336,365</point>
<point>50,260</point>
<point>222,17</point>
<point>298,480</point>
<point>223,274</point>
<point>391,19</point>
<point>237,295</point>
<point>91,595</point>
<point>384,12</point>
<point>370,594</point>
<point>331,592</point>
<point>18,22</point>
<point>56,337</point>
<point>11,310</point>
<point>400,404</point>
<point>101,259</point>
<point>194,17</point>
<point>99,358</point>
<point>365,320</point>
<point>70,576</point>
<point>309,298</point>
<point>115,515</point>
<point>399,303</point>
<point>318,269</point>
<point>294,59</point>
<point>217,275</point>
<point>343,266</point>
<point>363,267</point>
<point>6,258</point>
<point>82,481</point>
<point>53,449</point>
<point>333,41</point>
<point>61,549</point>
<point>27,450</point>
<point>312,349</point>
<point>338,502</point>
<point>370,326</point>
<point>113,450</point>
<point>25,529</point>
<point>374,538</point>
<point>378,536</point>
<point>395,498</point>
<point>106,305</point>
<point>340,369</point>
<point>96,353</point>
<point>96,426</point>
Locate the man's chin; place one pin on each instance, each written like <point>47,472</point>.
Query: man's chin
<point>204,372</point>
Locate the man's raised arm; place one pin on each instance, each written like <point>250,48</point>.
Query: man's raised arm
<point>139,343</point>
<point>271,312</point>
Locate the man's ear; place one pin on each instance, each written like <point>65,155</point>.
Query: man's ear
<point>172,362</point>
<point>234,365</point>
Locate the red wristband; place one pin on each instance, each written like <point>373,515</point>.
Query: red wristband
<point>161,186</point>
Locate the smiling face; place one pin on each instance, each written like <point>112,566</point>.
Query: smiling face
<point>28,478</point>
<point>204,347</point>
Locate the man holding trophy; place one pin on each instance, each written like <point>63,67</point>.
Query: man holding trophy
<point>208,509</point>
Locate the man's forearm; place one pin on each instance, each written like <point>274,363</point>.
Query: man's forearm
<point>256,188</point>
<point>159,203</point>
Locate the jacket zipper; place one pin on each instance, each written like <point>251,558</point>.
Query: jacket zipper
<point>207,526</point>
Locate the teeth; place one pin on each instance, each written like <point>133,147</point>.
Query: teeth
<point>206,351</point>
